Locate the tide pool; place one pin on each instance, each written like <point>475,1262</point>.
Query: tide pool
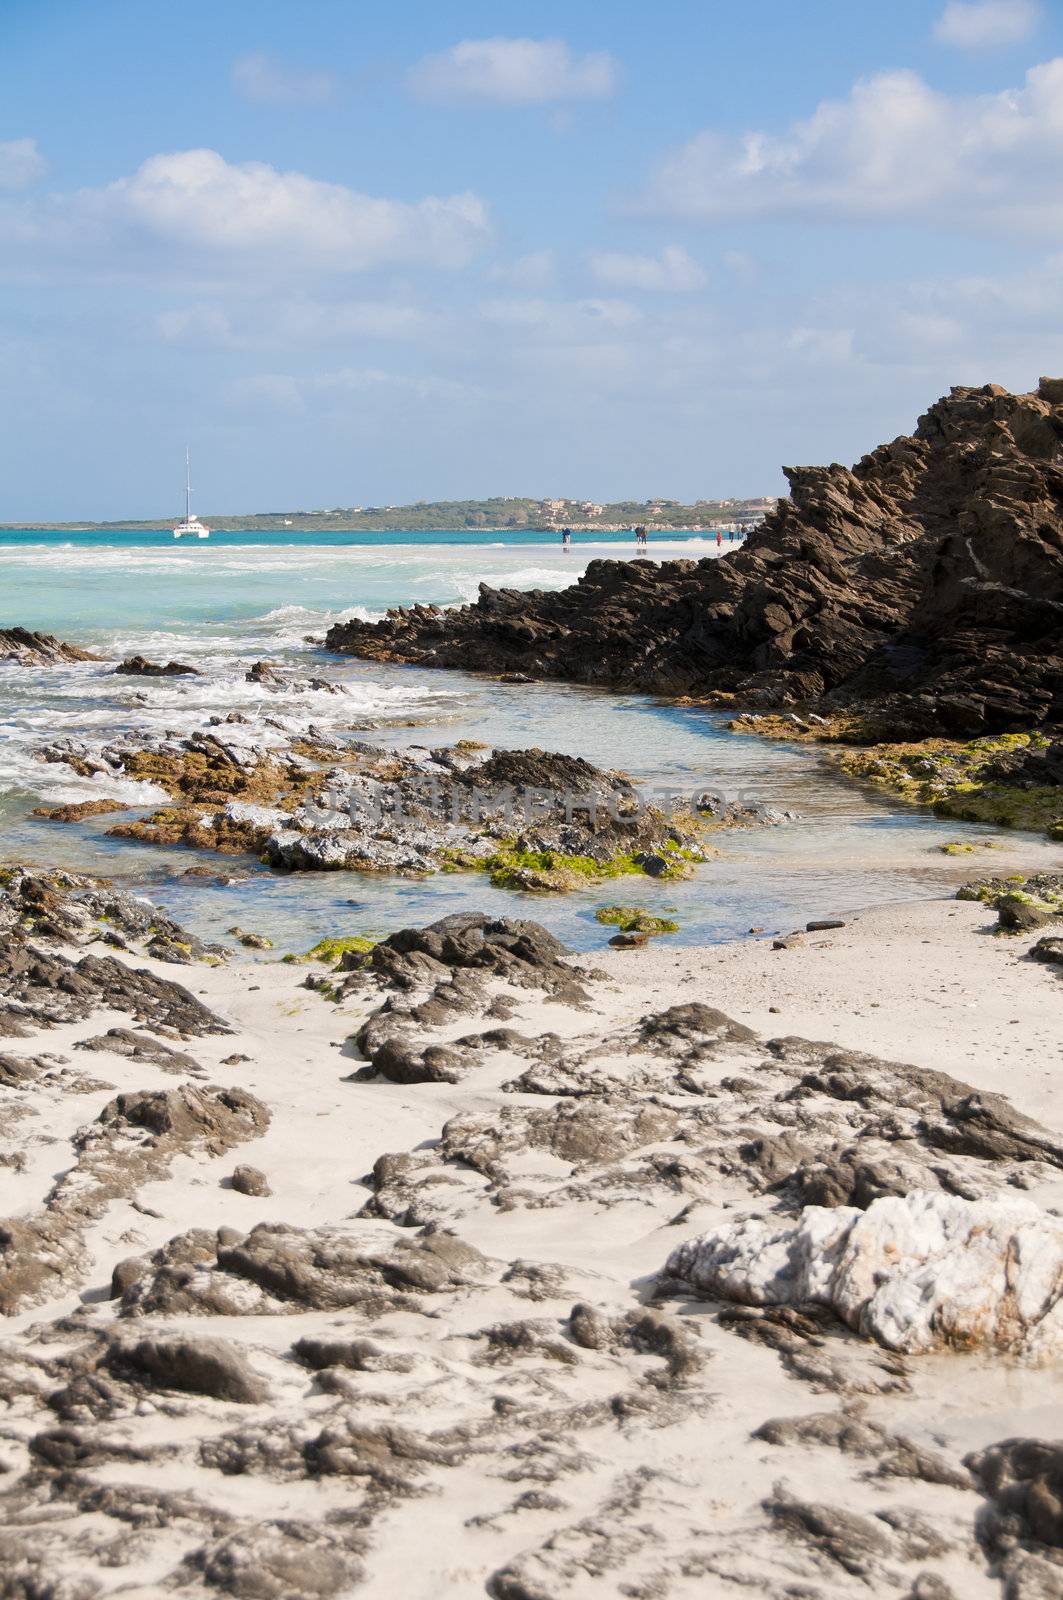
<point>222,606</point>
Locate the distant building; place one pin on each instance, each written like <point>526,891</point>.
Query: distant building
<point>589,508</point>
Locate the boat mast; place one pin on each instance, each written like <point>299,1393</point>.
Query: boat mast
<point>188,485</point>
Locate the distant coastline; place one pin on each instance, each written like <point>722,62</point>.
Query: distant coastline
<point>499,515</point>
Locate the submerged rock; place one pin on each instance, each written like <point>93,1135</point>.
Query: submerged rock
<point>917,1272</point>
<point>80,810</point>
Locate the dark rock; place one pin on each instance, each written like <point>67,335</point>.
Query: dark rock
<point>65,991</point>
<point>126,1273</point>
<point>274,1562</point>
<point>318,1269</point>
<point>76,909</point>
<point>200,1366</point>
<point>1024,1479</point>
<point>216,1118</point>
<point>856,1543</point>
<point>142,1047</point>
<point>1016,914</point>
<point>823,927</point>
<point>360,1355</point>
<point>854,1435</point>
<point>141,667</point>
<point>1049,949</point>
<point>522,953</point>
<point>39,649</point>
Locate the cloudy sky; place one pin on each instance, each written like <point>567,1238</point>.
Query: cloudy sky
<point>367,255</point>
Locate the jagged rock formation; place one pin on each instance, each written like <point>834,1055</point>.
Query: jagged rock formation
<point>925,583</point>
<point>28,649</point>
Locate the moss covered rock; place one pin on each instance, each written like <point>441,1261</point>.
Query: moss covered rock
<point>634,919</point>
<point>985,780</point>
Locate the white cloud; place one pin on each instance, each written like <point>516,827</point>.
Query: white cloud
<point>895,149</point>
<point>340,390</point>
<point>264,81</point>
<point>536,270</point>
<point>983,24</point>
<point>513,72</point>
<point>21,164</point>
<point>194,213</point>
<point>827,345</point>
<point>195,325</point>
<point>741,264</point>
<point>266,322</point>
<point>561,318</point>
<point>673,270</point>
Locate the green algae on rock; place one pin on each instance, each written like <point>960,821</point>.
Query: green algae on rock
<point>634,919</point>
<point>1039,888</point>
<point>531,819</point>
<point>250,941</point>
<point>985,780</point>
<point>518,868</point>
<point>332,950</point>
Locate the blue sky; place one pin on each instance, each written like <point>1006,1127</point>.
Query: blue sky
<point>370,255</point>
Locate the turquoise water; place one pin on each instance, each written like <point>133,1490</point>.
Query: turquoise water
<point>245,597</point>
<point>100,582</point>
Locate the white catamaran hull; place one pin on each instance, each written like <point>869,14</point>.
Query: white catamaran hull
<point>191,527</point>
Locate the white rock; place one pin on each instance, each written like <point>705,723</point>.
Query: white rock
<point>258,816</point>
<point>916,1273</point>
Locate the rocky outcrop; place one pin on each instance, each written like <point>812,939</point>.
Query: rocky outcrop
<point>28,649</point>
<point>924,585</point>
<point>133,1140</point>
<point>533,819</point>
<point>77,910</point>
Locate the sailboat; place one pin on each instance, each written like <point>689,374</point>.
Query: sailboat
<point>191,527</point>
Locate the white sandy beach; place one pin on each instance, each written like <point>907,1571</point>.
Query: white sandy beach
<point>486,1437</point>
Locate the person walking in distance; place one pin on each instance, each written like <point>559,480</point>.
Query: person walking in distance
<point>566,540</point>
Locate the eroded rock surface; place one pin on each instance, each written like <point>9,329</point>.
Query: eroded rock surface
<point>531,819</point>
<point>279,1393</point>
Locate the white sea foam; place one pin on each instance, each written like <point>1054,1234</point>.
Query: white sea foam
<point>220,608</point>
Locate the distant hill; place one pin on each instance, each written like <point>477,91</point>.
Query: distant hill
<point>444,516</point>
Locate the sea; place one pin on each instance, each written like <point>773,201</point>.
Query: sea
<point>243,597</point>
